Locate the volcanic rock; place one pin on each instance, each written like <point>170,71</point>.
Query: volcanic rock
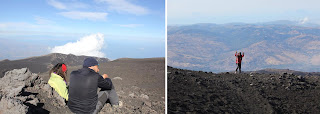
<point>138,82</point>
<point>198,92</point>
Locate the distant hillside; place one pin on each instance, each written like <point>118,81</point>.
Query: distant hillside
<point>211,47</point>
<point>44,63</point>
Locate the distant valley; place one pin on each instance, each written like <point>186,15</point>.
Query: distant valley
<point>211,47</point>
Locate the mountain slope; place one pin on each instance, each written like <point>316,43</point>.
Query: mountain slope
<point>205,92</point>
<point>139,83</point>
<point>211,47</point>
<point>44,63</point>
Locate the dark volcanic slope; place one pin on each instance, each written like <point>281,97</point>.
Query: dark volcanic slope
<point>281,71</point>
<point>144,73</point>
<point>43,63</point>
<point>202,92</point>
<point>140,84</point>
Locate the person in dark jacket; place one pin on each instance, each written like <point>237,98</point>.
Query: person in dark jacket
<point>238,61</point>
<point>83,96</point>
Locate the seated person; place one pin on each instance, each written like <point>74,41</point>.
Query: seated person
<point>58,80</point>
<point>83,87</point>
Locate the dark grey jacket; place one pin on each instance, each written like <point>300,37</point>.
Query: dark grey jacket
<point>83,87</point>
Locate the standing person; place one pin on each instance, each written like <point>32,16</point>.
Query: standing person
<point>83,97</point>
<point>238,61</point>
<point>58,80</point>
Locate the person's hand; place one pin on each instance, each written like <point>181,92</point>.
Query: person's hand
<point>105,76</point>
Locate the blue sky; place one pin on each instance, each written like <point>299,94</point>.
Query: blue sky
<point>131,28</point>
<point>247,11</point>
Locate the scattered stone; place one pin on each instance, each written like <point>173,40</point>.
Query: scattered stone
<point>301,78</point>
<point>147,103</point>
<point>120,104</point>
<point>131,95</point>
<point>287,88</point>
<point>34,101</point>
<point>12,106</point>
<point>144,96</point>
<point>231,93</point>
<point>121,92</point>
<point>117,78</point>
<point>176,72</point>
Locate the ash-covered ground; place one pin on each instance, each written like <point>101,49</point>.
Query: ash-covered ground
<point>206,92</point>
<point>138,82</point>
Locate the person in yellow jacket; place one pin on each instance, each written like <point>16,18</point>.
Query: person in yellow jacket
<point>58,80</point>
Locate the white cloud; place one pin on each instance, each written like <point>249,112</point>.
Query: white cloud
<point>273,61</point>
<point>123,6</point>
<point>89,45</point>
<point>42,20</point>
<point>304,20</point>
<point>72,10</point>
<point>2,26</point>
<point>67,6</point>
<point>315,60</point>
<point>57,4</point>
<point>29,26</point>
<point>131,25</point>
<point>77,5</point>
<point>95,16</point>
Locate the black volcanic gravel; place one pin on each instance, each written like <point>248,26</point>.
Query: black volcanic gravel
<point>206,92</point>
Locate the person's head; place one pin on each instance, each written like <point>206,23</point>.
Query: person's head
<point>91,63</point>
<point>60,69</point>
<point>240,53</point>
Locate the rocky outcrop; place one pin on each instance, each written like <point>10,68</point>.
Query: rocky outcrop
<point>22,91</point>
<point>15,98</point>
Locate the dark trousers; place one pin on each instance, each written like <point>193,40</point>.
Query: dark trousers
<point>238,67</point>
<point>104,96</point>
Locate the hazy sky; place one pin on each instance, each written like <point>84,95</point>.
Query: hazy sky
<point>130,28</point>
<point>248,11</point>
